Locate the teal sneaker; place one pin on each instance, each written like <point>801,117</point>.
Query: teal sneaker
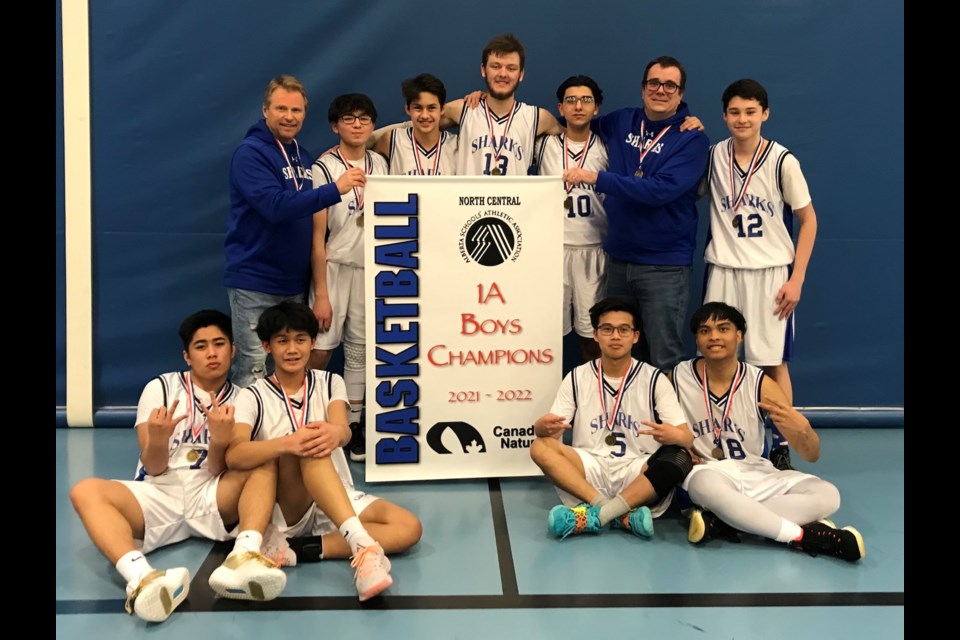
<point>563,521</point>
<point>638,521</point>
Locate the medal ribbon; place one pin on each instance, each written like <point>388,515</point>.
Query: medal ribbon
<point>303,407</point>
<point>617,399</point>
<point>752,170</point>
<point>293,173</point>
<point>367,168</point>
<point>583,158</point>
<point>734,384</point>
<point>416,154</point>
<point>645,148</point>
<point>188,387</point>
<point>506,130</point>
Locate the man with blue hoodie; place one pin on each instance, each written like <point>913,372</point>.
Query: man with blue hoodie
<point>270,224</point>
<point>650,197</point>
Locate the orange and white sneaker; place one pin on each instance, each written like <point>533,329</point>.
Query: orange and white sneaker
<point>158,593</point>
<point>372,573</point>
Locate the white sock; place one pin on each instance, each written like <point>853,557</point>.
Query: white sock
<point>249,540</point>
<point>355,411</point>
<point>132,566</point>
<point>789,531</point>
<point>355,535</point>
<point>612,509</point>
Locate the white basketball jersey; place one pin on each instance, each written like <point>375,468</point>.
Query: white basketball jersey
<point>585,220</point>
<point>263,406</point>
<point>742,432</point>
<point>488,143</point>
<point>759,233</point>
<point>345,219</point>
<point>190,440</point>
<point>408,157</point>
<point>646,395</point>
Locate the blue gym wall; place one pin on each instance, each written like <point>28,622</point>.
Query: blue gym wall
<point>174,86</point>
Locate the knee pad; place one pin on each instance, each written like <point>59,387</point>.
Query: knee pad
<point>354,357</point>
<point>667,468</point>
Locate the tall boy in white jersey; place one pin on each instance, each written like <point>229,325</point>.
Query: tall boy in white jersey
<point>337,288</point>
<point>585,221</point>
<point>420,149</point>
<point>725,400</point>
<point>182,488</point>
<point>497,136</point>
<point>298,419</point>
<point>616,470</point>
<point>756,188</point>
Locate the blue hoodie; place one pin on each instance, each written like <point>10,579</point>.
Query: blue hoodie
<point>652,220</point>
<point>270,224</point>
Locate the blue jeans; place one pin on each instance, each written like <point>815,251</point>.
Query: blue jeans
<point>661,292</point>
<point>250,361</point>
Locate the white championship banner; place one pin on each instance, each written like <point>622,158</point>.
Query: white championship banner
<point>464,283</point>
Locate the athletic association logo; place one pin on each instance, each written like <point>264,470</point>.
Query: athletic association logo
<point>459,437</point>
<point>490,238</point>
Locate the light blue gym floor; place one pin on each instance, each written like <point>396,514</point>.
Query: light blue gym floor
<point>486,567</point>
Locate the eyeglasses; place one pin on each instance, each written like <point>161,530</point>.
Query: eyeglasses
<point>351,118</point>
<point>669,86</point>
<point>607,330</point>
<point>576,99</point>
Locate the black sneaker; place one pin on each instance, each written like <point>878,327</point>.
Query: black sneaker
<point>780,457</point>
<point>705,525</point>
<point>358,443</point>
<point>846,543</point>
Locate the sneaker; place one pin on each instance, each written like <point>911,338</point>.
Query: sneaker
<point>828,522</point>
<point>372,571</point>
<point>358,443</point>
<point>248,575</point>
<point>846,543</point>
<point>563,521</point>
<point>705,525</point>
<point>276,546</point>
<point>158,593</point>
<point>780,457</point>
<point>637,521</point>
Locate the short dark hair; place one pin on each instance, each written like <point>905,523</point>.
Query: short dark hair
<point>614,303</point>
<point>580,81</point>
<point>205,318</point>
<point>423,83</point>
<point>503,44</point>
<point>294,316</point>
<point>748,90</point>
<point>668,61</point>
<point>348,103</point>
<point>717,311</point>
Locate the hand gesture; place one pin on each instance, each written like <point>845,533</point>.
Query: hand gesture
<point>783,415</point>
<point>551,426</point>
<point>576,175</point>
<point>219,421</point>
<point>662,432</point>
<point>472,100</point>
<point>787,298</point>
<point>352,177</point>
<point>161,423</point>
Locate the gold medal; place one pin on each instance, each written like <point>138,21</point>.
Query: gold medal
<point>495,171</point>
<point>611,439</point>
<point>717,453</point>
<point>360,220</point>
<point>568,203</point>
<point>192,455</point>
<point>638,172</point>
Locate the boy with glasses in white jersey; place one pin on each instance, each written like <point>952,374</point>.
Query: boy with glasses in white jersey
<point>337,288</point>
<point>623,466</point>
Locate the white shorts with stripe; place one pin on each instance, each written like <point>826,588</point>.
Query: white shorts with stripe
<point>178,504</point>
<point>346,289</point>
<point>315,522</point>
<point>754,293</point>
<point>759,479</point>
<point>610,476</point>
<point>584,284</point>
